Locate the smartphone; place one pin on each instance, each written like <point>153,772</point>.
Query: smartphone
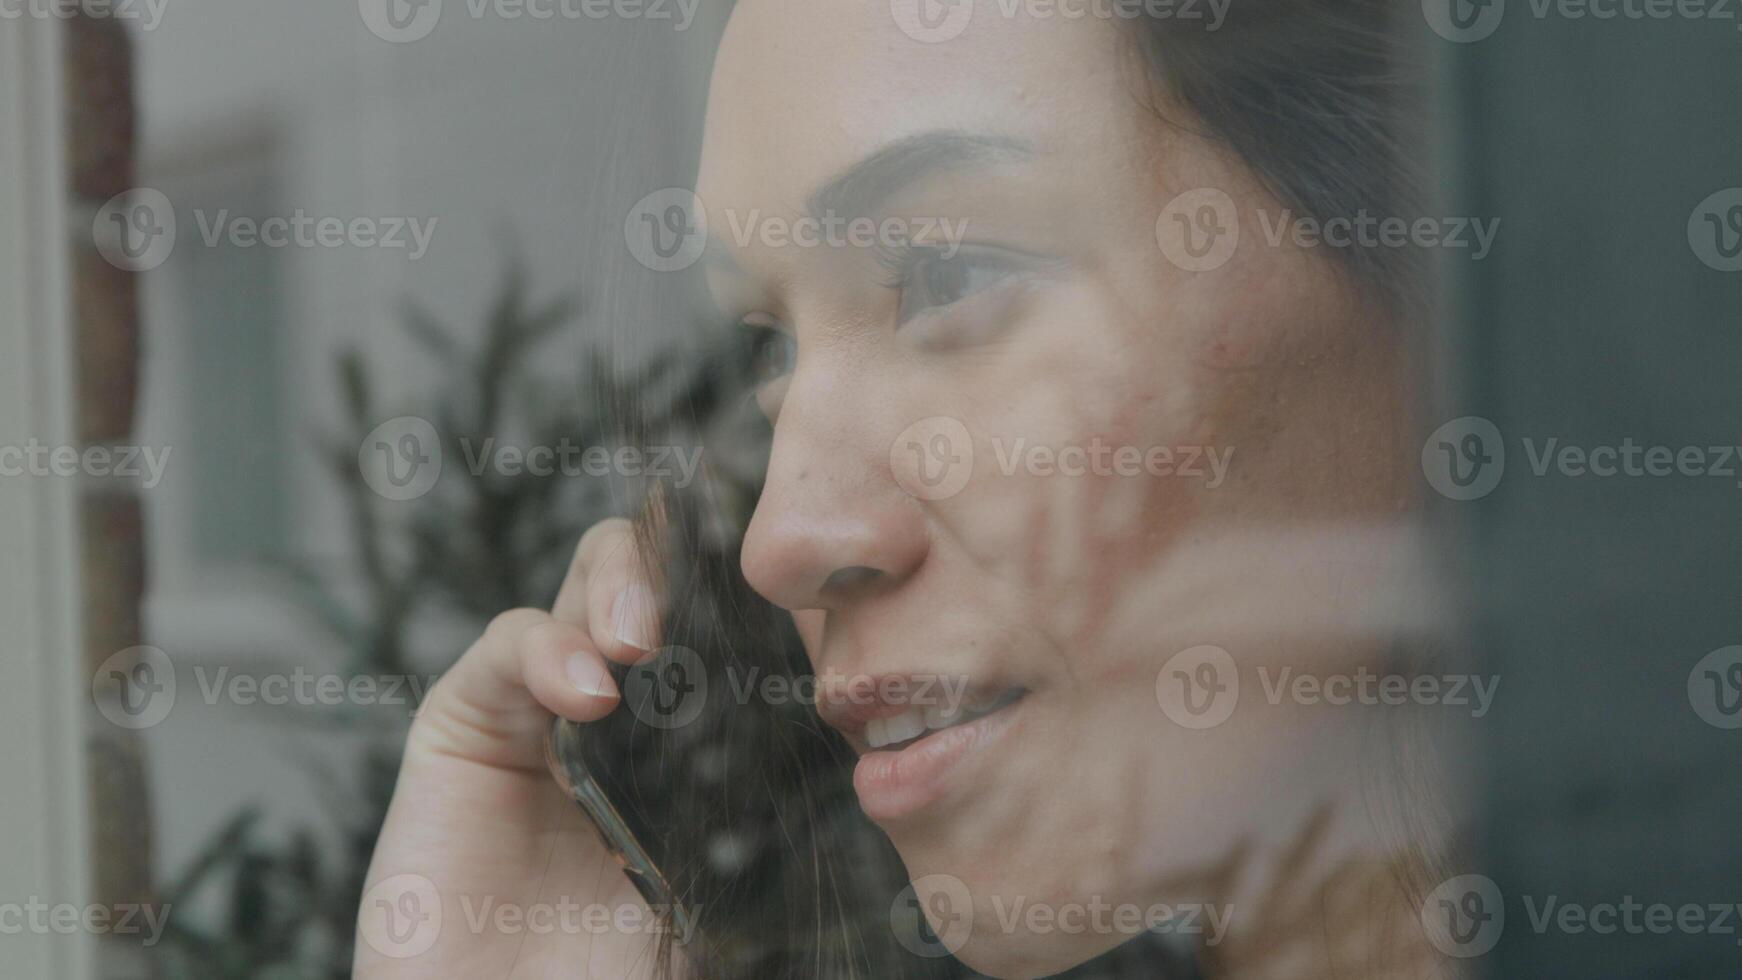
<point>688,784</point>
<point>568,764</point>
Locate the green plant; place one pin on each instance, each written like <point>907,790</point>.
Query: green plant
<point>479,542</point>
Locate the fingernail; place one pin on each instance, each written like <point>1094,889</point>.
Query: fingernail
<point>632,618</point>
<point>589,676</point>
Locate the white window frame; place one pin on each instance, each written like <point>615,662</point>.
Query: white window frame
<point>44,695</point>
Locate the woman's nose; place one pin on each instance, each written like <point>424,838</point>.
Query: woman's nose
<point>833,525</point>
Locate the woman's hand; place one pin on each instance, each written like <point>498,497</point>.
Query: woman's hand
<point>484,868</point>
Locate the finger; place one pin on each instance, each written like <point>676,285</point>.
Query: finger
<point>619,606</point>
<point>494,706</point>
<point>622,605</point>
<point>571,598</point>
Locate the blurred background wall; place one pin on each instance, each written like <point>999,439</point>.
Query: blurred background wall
<point>514,141</point>
<point>1602,318</point>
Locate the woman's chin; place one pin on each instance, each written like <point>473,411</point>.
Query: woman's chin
<point>1021,955</point>
<point>1012,930</point>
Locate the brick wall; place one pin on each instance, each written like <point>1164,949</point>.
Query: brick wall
<point>101,126</point>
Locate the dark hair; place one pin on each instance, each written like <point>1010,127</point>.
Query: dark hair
<point>749,809</point>
<point>1321,102</point>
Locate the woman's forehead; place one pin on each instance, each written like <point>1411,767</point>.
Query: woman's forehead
<point>803,90</point>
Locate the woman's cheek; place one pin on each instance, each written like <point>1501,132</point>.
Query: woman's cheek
<point>1088,423</point>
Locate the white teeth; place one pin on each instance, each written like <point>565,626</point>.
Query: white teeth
<point>904,726</point>
<point>916,721</point>
<point>900,728</point>
<point>938,716</point>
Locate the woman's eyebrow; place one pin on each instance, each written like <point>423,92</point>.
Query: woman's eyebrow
<point>860,188</point>
<point>866,184</point>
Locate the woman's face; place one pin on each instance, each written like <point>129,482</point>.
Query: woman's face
<point>1022,458</point>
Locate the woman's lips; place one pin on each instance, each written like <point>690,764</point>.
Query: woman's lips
<point>893,783</point>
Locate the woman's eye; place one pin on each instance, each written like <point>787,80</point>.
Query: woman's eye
<point>935,280</point>
<point>772,353</point>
